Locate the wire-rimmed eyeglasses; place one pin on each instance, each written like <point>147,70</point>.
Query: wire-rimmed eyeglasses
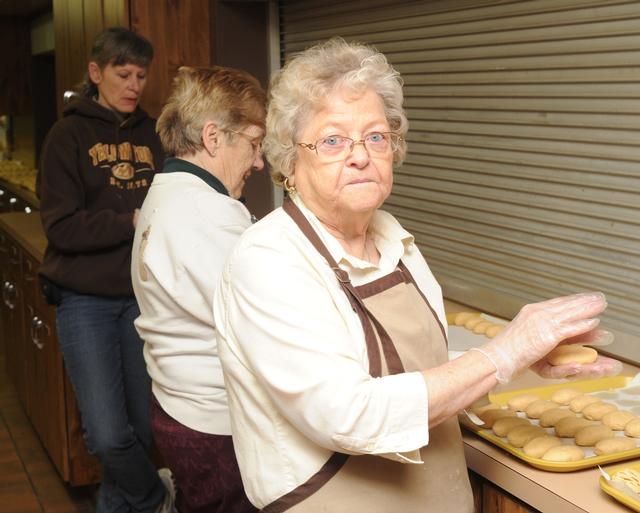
<point>256,142</point>
<point>338,147</point>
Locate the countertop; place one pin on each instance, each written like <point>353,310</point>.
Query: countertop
<point>22,192</point>
<point>26,230</point>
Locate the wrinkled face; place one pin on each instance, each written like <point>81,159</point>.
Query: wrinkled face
<point>119,87</point>
<point>361,180</point>
<point>240,155</point>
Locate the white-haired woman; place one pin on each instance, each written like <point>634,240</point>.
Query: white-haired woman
<point>213,124</point>
<point>331,326</point>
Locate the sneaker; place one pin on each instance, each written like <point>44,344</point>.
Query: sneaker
<point>168,504</point>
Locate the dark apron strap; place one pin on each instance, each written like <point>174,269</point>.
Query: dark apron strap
<point>366,317</point>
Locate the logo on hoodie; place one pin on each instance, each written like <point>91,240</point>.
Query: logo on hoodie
<point>121,160</point>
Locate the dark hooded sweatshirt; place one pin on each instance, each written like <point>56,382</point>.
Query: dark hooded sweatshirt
<point>95,169</point>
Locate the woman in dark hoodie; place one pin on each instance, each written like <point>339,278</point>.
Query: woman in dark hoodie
<point>95,169</point>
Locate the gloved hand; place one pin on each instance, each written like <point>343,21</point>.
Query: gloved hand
<point>538,328</point>
<point>603,366</point>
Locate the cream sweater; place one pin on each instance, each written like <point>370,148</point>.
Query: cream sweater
<point>185,231</point>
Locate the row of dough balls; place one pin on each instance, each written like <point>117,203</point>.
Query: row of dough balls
<point>537,443</point>
<point>474,322</point>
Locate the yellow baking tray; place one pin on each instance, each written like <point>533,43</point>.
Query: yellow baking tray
<point>545,392</point>
<point>628,498</point>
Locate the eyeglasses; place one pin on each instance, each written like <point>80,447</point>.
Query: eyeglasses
<point>337,147</point>
<point>256,142</point>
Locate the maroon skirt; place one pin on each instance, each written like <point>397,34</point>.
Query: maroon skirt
<point>203,465</point>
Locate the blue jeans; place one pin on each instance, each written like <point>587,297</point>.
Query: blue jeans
<point>103,357</point>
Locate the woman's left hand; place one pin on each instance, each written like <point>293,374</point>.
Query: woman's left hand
<point>603,366</point>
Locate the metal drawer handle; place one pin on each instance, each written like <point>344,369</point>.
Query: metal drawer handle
<point>36,325</point>
<point>9,289</point>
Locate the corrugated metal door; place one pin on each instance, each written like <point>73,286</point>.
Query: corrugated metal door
<point>523,175</point>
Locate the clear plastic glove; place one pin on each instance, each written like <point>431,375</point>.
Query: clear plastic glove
<point>602,367</point>
<point>538,328</point>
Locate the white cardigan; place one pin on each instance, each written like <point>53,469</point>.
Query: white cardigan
<point>189,229</point>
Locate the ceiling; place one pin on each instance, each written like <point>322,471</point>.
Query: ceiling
<point>24,8</point>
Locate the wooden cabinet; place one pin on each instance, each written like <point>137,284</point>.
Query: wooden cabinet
<point>45,400</point>
<point>488,498</point>
<point>34,361</point>
<point>12,319</point>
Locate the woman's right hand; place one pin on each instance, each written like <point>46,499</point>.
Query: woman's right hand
<point>539,327</point>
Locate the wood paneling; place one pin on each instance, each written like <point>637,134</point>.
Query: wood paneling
<point>241,42</point>
<point>494,500</point>
<point>15,93</point>
<point>76,24</point>
<point>180,32</point>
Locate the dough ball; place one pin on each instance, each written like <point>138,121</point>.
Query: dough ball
<point>564,395</point>
<point>520,402</point>
<point>481,327</point>
<point>596,411</point>
<point>569,426</point>
<point>462,317</point>
<point>617,419</point>
<point>479,409</point>
<point>590,435</point>
<point>614,444</point>
<point>490,416</point>
<point>501,427</point>
<point>572,353</point>
<point>493,330</point>
<point>473,322</point>
<point>580,402</point>
<point>538,446</point>
<point>550,417</point>
<point>564,453</point>
<point>520,435</point>
<point>632,428</point>
<point>536,408</point>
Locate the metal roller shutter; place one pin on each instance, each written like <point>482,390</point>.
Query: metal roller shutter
<point>522,180</point>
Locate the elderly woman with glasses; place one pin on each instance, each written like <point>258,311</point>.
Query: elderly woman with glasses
<point>213,125</point>
<point>331,327</point>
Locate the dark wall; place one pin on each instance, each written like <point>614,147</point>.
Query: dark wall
<point>240,40</point>
<point>15,91</point>
<point>43,74</point>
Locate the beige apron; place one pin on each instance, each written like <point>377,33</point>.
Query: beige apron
<point>403,334</point>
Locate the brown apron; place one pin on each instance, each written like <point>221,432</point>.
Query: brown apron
<point>402,334</point>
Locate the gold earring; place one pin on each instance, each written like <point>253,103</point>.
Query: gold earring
<point>289,188</point>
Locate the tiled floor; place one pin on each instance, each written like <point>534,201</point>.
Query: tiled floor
<point>28,481</point>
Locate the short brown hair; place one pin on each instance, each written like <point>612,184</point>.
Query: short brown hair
<point>229,97</point>
<point>117,46</point>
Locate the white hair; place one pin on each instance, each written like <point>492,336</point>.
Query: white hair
<point>305,82</point>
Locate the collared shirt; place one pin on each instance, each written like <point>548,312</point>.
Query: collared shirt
<point>186,229</point>
<point>295,359</point>
<point>178,165</point>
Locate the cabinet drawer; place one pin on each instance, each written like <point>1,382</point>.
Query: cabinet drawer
<point>29,278</point>
<point>13,261</point>
<point>45,386</point>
